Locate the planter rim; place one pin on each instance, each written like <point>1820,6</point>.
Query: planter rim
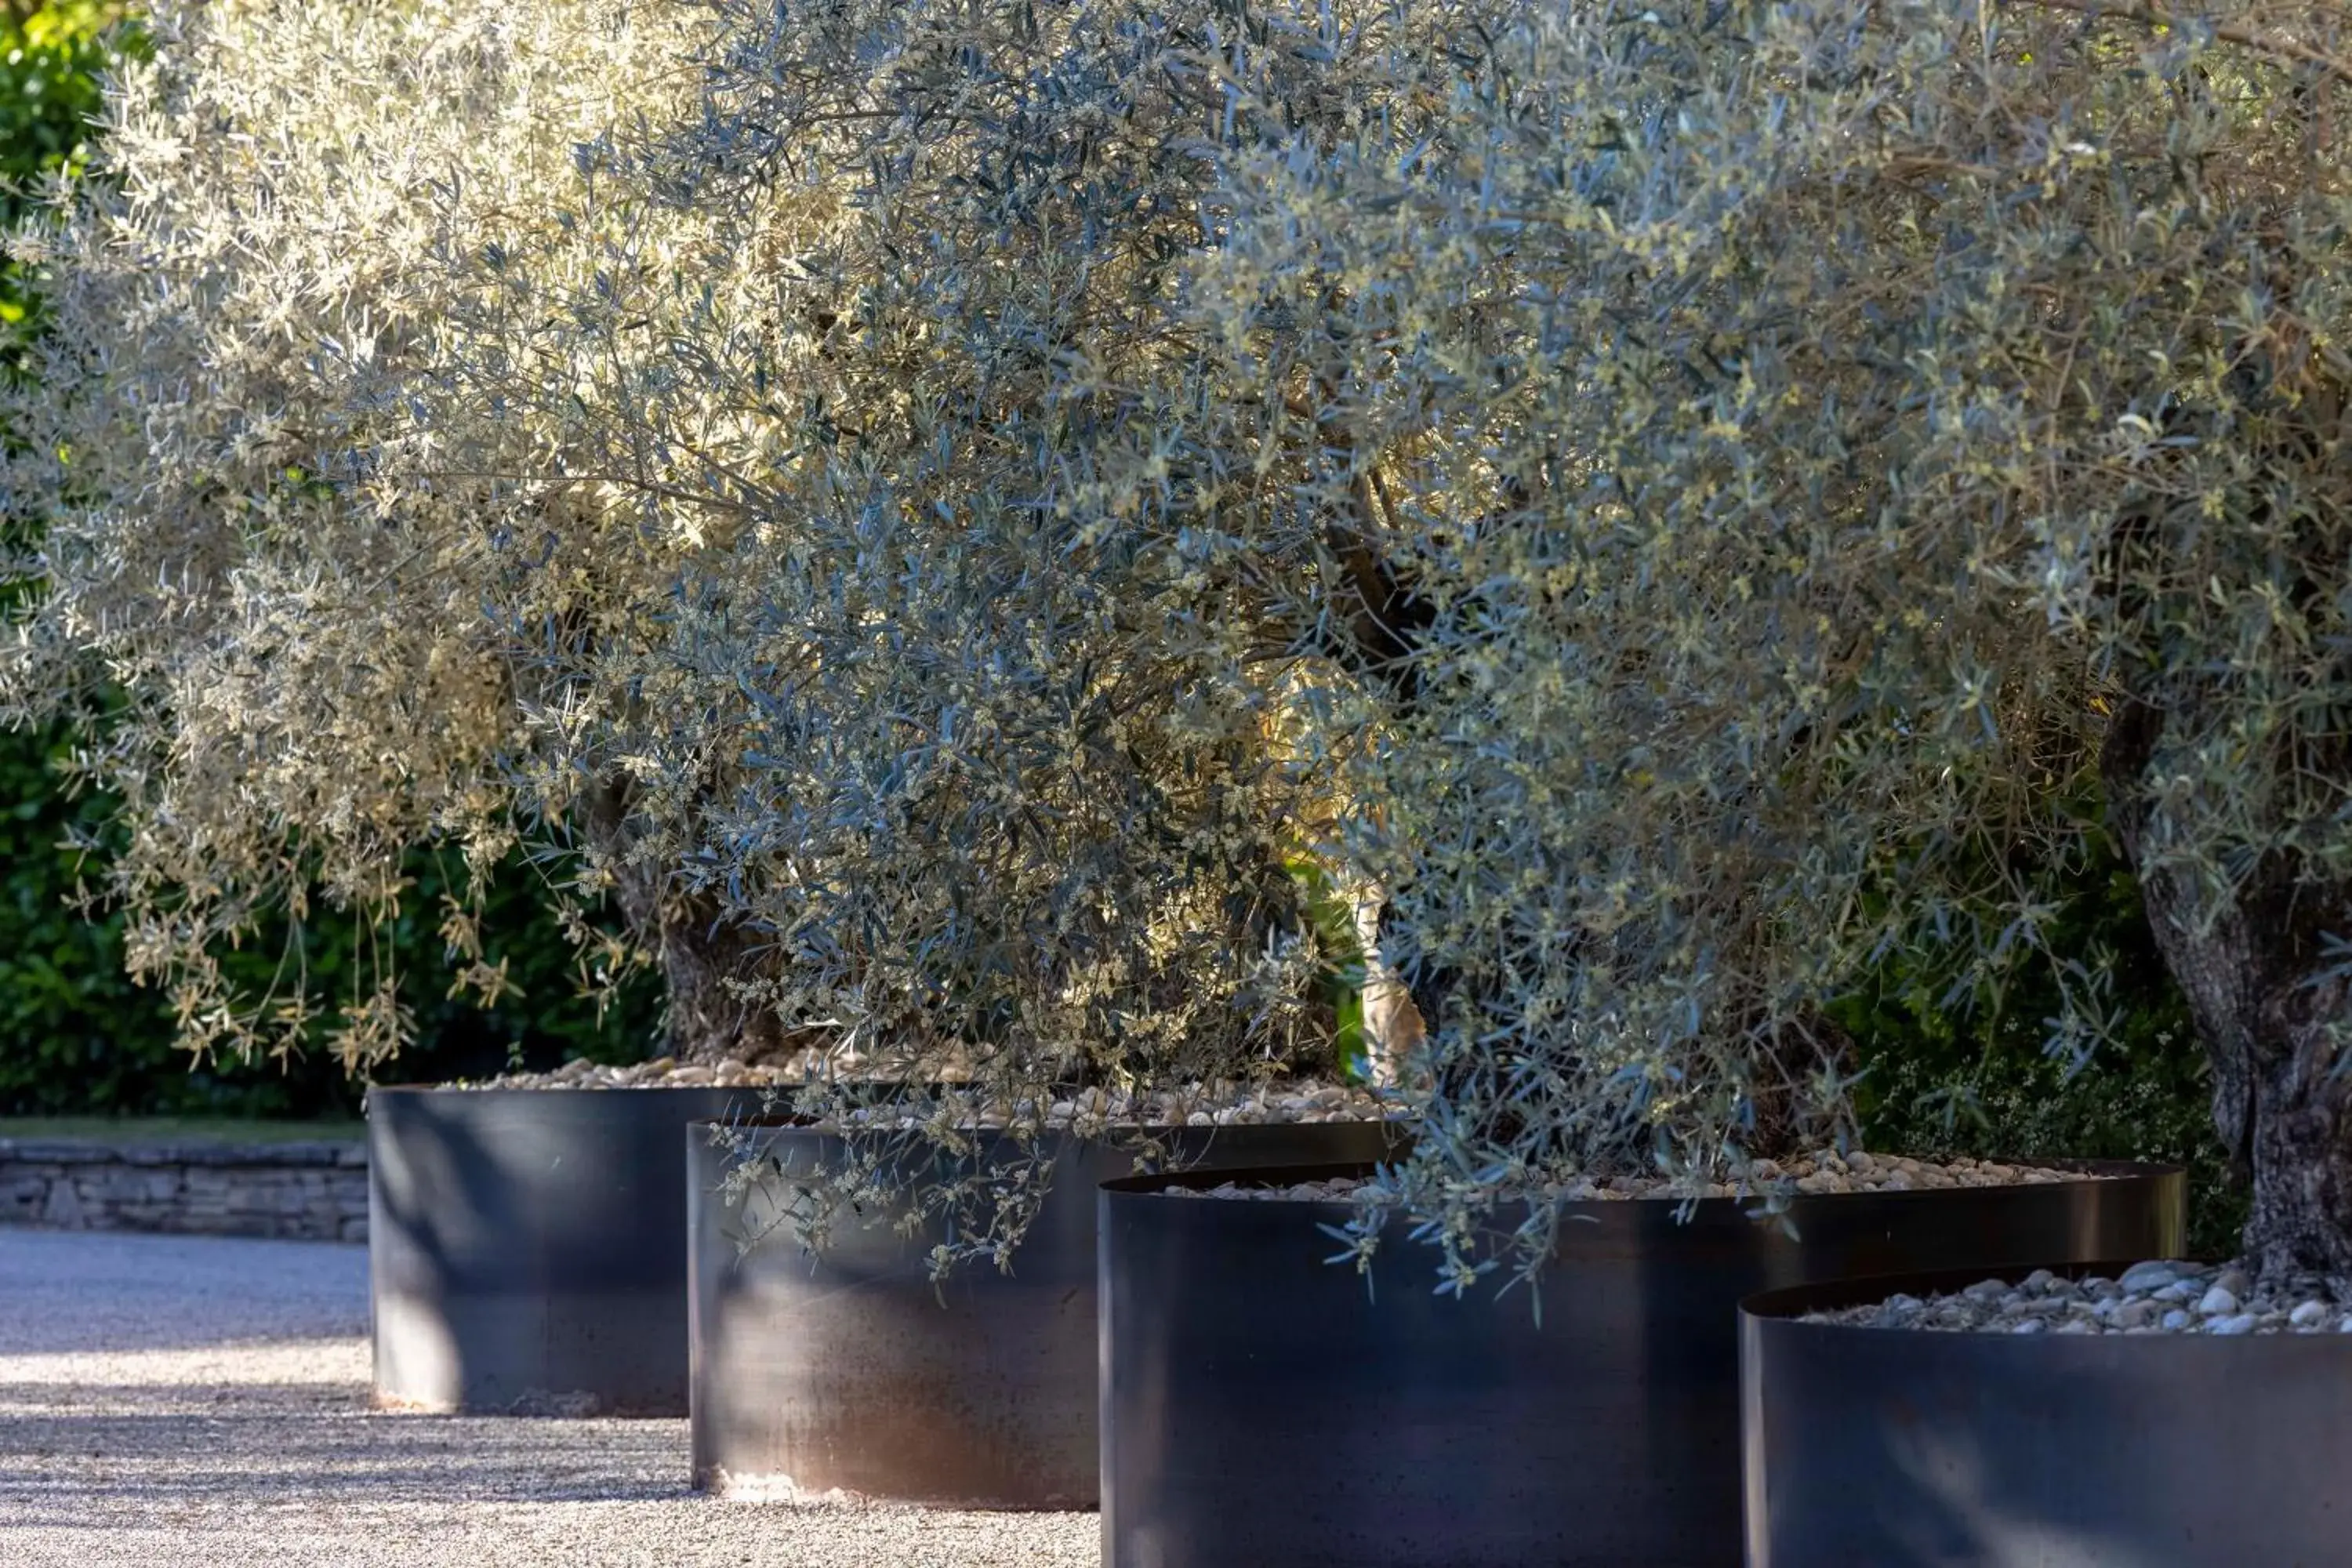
<point>796,1122</point>
<point>516,1091</point>
<point>1130,1188</point>
<point>501,1091</point>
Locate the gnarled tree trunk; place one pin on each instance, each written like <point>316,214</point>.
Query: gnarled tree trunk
<point>700,951</point>
<point>708,1021</point>
<point>2270,1003</point>
<point>1394,1028</point>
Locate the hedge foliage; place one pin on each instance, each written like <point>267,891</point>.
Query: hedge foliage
<point>50,58</point>
<point>1954,1062</point>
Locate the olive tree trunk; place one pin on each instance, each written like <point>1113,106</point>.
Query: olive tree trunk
<point>707,1021</point>
<point>1393,1029</point>
<point>2271,1004</point>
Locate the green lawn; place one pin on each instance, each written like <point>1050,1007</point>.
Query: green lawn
<point>179,1130</point>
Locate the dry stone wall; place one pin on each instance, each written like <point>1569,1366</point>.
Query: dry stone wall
<point>311,1192</point>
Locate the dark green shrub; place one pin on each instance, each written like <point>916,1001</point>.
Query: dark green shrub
<point>78,1036</point>
<point>1956,1063</point>
<point>50,58</point>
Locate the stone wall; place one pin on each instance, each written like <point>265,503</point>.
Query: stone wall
<point>314,1192</point>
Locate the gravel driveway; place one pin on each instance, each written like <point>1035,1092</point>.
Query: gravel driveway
<point>169,1401</point>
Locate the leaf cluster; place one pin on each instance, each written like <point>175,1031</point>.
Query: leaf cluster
<point>1787,445</point>
<point>944,506</point>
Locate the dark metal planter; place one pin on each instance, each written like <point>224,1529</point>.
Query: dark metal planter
<point>1260,1409</point>
<point>852,1371</point>
<point>1873,1447</point>
<point>527,1247</point>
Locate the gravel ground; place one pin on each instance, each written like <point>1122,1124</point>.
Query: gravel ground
<point>171,1401</point>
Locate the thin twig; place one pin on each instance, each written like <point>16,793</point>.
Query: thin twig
<point>2153,15</point>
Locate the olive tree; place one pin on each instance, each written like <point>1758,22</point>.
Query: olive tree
<point>945,500</point>
<point>543,419</point>
<point>269,616</point>
<point>1787,446</point>
<point>1010,779</point>
<point>960,751</point>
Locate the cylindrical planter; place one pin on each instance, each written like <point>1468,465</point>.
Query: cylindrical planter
<point>851,1370</point>
<point>1261,1405</point>
<point>527,1247</point>
<point>1870,1447</point>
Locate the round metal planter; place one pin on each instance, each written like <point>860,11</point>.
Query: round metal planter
<point>850,1370</point>
<point>1871,1448</point>
<point>527,1247</point>
<point>1261,1405</point>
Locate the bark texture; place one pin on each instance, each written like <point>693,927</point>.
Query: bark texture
<point>2261,986</point>
<point>707,1021</point>
<point>1394,1028</point>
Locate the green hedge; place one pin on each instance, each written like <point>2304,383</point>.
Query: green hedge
<point>1968,1074</point>
<point>76,1037</point>
<point>50,58</point>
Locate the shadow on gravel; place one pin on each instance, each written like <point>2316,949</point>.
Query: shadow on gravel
<point>64,1291</point>
<point>202,1404</point>
<point>271,1445</point>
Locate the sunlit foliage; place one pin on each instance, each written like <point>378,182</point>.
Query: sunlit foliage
<point>478,438</point>
<point>267,607</point>
<point>950,503</point>
<point>1804,441</point>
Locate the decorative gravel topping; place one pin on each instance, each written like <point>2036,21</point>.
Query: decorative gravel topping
<point>1826,1172</point>
<point>1091,1113</point>
<point>1342,1190</point>
<point>668,1072</point>
<point>2156,1297</point>
<point>1093,1109</point>
<point>1195,1105</point>
<point>1859,1171</point>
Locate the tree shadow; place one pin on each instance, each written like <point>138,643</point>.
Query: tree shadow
<point>73,1453</point>
<point>69,1291</point>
